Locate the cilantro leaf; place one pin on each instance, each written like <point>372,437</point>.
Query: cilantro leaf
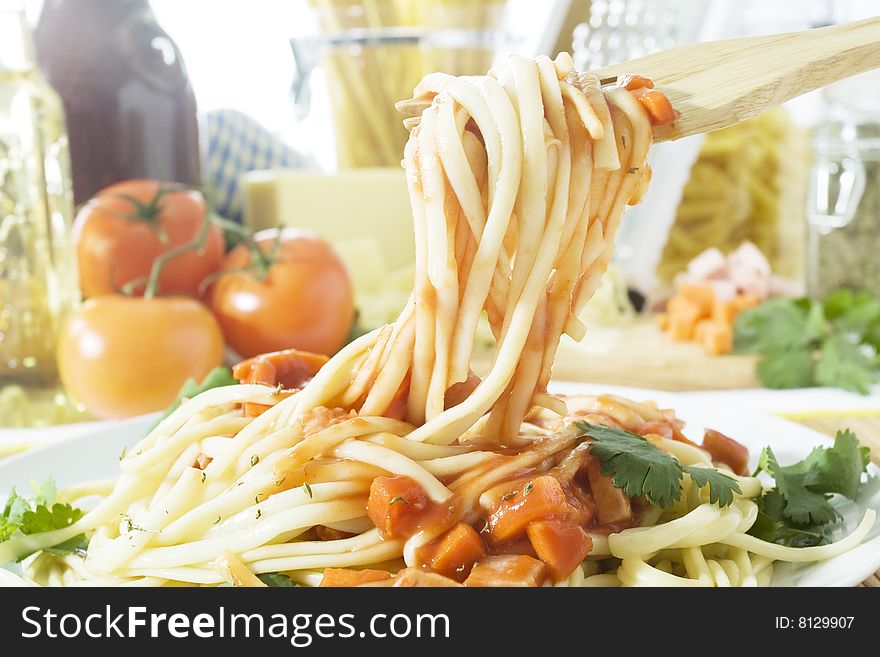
<point>836,469</point>
<point>13,511</point>
<point>775,325</point>
<point>635,465</point>
<point>19,514</point>
<point>853,311</point>
<point>44,519</point>
<point>772,526</point>
<point>276,580</point>
<point>805,343</point>
<point>721,486</point>
<point>844,364</point>
<point>802,505</point>
<point>786,369</point>
<point>797,511</point>
<point>78,545</point>
<point>641,468</point>
<point>45,492</point>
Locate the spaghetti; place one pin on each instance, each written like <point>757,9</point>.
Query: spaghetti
<point>395,463</point>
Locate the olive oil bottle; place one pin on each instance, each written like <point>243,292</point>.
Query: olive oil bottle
<point>38,282</point>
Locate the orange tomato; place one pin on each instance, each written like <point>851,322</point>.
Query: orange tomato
<point>123,356</point>
<point>119,233</point>
<point>304,302</point>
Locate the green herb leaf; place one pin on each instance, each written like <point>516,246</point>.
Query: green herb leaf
<point>786,369</point>
<point>398,499</point>
<point>852,311</point>
<point>276,580</point>
<point>640,468</point>
<point>45,519</point>
<point>806,487</point>
<point>635,465</point>
<point>805,343</point>
<point>772,526</point>
<point>844,364</point>
<point>775,325</point>
<point>42,514</point>
<point>45,491</point>
<point>77,545</point>
<point>13,512</point>
<point>721,486</point>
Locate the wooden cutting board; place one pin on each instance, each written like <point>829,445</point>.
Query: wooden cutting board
<point>642,356</point>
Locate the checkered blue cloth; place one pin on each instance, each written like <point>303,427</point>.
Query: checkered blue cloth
<point>238,144</point>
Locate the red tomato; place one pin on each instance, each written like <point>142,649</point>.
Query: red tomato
<point>304,302</point>
<point>120,232</point>
<point>123,356</point>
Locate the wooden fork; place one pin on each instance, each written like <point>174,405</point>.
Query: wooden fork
<point>719,83</point>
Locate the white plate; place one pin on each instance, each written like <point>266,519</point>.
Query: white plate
<point>96,456</point>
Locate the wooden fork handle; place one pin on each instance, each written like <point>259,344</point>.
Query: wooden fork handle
<point>719,83</point>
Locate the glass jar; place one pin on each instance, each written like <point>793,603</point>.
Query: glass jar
<point>844,197</point>
<point>364,57</point>
<point>37,272</point>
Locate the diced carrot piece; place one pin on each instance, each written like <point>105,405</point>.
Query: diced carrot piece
<point>396,505</point>
<point>718,338</point>
<point>349,577</point>
<point>455,552</point>
<point>727,450</point>
<point>560,544</point>
<point>702,329</point>
<point>681,328</point>
<point>702,295</point>
<point>290,368</point>
<point>413,577</point>
<point>631,82</point>
<point>744,302</point>
<point>612,504</point>
<point>685,307</point>
<point>507,570</point>
<point>657,105</point>
<point>662,321</point>
<point>724,311</point>
<point>543,497</point>
<point>684,313</point>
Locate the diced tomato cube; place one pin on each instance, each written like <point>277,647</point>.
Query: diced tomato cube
<point>456,551</point>
<point>507,570</point>
<point>727,450</point>
<point>560,544</point>
<point>396,505</point>
<point>543,497</point>
<point>350,577</point>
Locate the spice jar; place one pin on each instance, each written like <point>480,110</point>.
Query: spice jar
<point>844,200</point>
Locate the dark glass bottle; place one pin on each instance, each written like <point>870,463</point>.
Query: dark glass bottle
<point>131,112</point>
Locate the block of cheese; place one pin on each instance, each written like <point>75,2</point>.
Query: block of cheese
<point>340,207</point>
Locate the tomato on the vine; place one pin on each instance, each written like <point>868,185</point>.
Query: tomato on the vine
<point>295,294</point>
<point>119,234</point>
<point>123,356</point>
